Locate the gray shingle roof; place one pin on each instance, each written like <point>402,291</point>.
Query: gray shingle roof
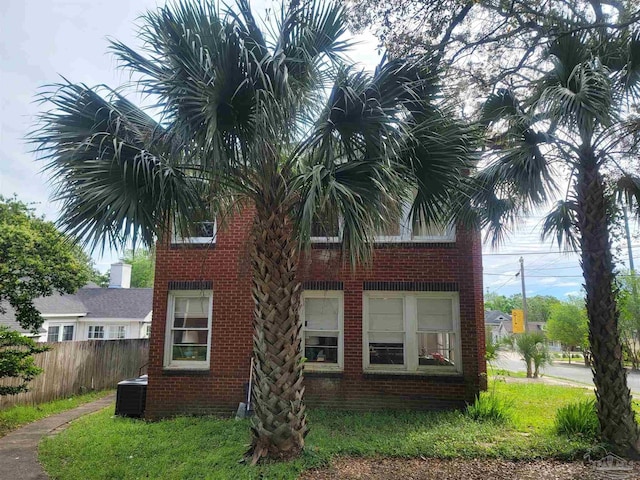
<point>8,319</point>
<point>132,303</point>
<point>90,302</point>
<point>493,316</point>
<point>58,304</point>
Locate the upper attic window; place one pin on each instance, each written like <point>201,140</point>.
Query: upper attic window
<point>402,230</point>
<point>399,230</point>
<point>200,232</point>
<point>326,230</point>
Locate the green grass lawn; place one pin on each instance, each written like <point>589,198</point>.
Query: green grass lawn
<point>102,446</point>
<point>14,417</point>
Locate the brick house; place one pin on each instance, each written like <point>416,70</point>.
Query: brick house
<point>406,331</point>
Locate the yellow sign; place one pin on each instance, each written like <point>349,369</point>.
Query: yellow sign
<point>517,319</point>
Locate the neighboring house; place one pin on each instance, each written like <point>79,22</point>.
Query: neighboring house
<point>497,324</point>
<point>94,313</point>
<point>406,331</point>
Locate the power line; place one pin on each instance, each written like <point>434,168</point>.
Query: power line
<point>530,253</point>
<point>540,276</point>
<point>508,280</point>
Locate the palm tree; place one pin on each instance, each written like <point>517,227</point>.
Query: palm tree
<point>575,120</point>
<point>277,123</point>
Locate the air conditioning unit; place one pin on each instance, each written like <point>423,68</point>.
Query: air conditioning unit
<point>131,397</point>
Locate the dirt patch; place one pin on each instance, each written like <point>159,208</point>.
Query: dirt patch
<point>435,469</point>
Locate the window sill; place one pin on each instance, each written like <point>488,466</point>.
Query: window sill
<point>326,373</point>
<point>185,371</point>
<point>447,376</point>
<point>422,244</point>
<point>192,245</point>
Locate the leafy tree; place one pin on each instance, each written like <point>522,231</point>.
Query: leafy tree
<point>17,361</point>
<point>571,117</point>
<point>485,43</point>
<point>278,123</point>
<point>569,324</point>
<point>539,307</point>
<point>100,279</point>
<point>630,316</point>
<point>142,262</point>
<point>564,77</point>
<point>36,260</point>
<point>502,303</point>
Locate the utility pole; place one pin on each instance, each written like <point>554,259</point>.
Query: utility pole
<point>626,229</point>
<point>632,271</point>
<point>524,294</point>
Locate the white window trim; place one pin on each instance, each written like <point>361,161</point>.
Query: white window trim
<point>197,240</point>
<point>115,326</point>
<point>61,331</point>
<point>319,366</point>
<point>330,239</point>
<point>104,332</point>
<point>411,365</point>
<point>406,233</point>
<point>183,364</point>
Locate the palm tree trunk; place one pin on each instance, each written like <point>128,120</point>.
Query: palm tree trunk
<point>617,422</point>
<point>280,424</point>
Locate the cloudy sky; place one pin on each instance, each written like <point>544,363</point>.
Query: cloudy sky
<point>43,39</point>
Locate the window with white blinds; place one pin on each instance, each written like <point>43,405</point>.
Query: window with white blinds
<point>322,323</point>
<point>188,338</point>
<point>386,331</point>
<point>411,331</point>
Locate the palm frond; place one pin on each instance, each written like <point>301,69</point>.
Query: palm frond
<point>561,223</point>
<point>628,192</point>
<point>631,71</point>
<point>500,106</point>
<point>483,208</point>
<point>583,99</point>
<point>113,168</point>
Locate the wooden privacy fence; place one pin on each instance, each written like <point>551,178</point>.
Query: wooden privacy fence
<point>77,367</point>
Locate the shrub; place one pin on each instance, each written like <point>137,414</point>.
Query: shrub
<point>533,348</point>
<point>578,419</point>
<point>491,350</point>
<point>17,361</point>
<point>489,407</point>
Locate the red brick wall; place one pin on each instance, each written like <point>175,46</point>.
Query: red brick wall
<point>226,264</point>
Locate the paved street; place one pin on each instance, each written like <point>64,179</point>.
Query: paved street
<point>576,372</point>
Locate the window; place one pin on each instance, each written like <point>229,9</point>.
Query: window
<point>386,331</point>
<point>322,340</point>
<point>411,332</point>
<point>60,333</point>
<point>402,230</point>
<point>188,339</point>
<point>52,333</point>
<point>67,333</point>
<point>116,332</point>
<point>398,230</point>
<point>147,330</point>
<point>95,332</point>
<point>326,229</point>
<point>436,333</point>
<point>202,230</point>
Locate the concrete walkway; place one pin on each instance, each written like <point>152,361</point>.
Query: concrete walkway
<point>19,449</point>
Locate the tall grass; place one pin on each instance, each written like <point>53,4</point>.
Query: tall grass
<point>490,407</point>
<point>578,418</point>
